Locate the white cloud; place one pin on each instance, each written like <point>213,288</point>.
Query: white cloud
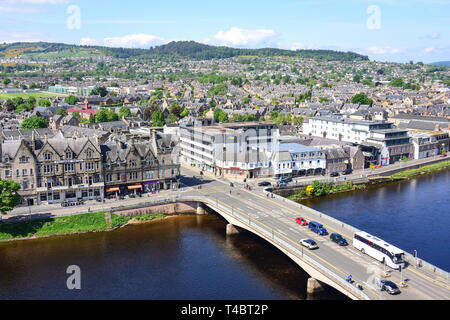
<point>128,41</point>
<point>428,50</point>
<point>240,37</point>
<point>382,50</point>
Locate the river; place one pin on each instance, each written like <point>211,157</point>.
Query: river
<point>411,215</point>
<point>185,257</point>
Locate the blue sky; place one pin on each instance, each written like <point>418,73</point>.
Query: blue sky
<point>385,30</point>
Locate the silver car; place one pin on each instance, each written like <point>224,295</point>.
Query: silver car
<point>309,243</point>
<point>389,286</point>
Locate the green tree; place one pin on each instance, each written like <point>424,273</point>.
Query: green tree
<point>9,198</point>
<point>99,91</point>
<point>17,101</point>
<point>6,81</point>
<point>102,116</point>
<point>23,107</point>
<point>158,118</point>
<point>31,101</point>
<point>45,103</point>
<point>175,109</point>
<point>33,122</point>
<point>184,113</point>
<point>62,111</point>
<point>125,112</point>
<point>72,100</point>
<point>76,115</point>
<point>361,98</point>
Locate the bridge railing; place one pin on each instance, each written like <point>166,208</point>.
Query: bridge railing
<point>283,240</point>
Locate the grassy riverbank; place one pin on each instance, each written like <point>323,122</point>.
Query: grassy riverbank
<point>425,169</point>
<point>88,222</point>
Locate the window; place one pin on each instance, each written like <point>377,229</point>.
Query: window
<point>24,172</point>
<point>69,155</point>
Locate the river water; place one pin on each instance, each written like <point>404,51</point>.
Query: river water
<point>411,215</point>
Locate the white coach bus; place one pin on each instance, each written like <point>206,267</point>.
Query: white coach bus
<point>378,249</point>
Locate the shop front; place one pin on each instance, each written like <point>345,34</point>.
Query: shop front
<point>151,186</point>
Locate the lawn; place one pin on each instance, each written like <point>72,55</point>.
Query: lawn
<point>37,95</point>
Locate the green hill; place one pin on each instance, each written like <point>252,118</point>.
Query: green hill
<point>186,49</point>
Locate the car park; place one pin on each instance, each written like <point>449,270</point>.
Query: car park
<point>309,243</point>
<point>340,240</point>
<point>301,221</point>
<point>318,228</point>
<point>388,286</point>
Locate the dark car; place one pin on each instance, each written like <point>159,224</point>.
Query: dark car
<point>334,174</point>
<point>347,171</point>
<point>340,240</point>
<point>285,180</point>
<point>264,183</point>
<point>389,286</point>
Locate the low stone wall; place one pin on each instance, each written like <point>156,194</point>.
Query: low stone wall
<point>170,208</point>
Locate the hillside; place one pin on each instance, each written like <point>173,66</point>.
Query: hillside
<point>186,49</point>
<point>441,63</point>
<point>194,50</point>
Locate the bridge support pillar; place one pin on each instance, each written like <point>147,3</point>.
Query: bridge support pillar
<point>231,229</point>
<point>313,286</point>
<point>200,208</point>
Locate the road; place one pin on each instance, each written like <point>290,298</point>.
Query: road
<point>341,260</point>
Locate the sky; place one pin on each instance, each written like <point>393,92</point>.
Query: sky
<point>385,30</point>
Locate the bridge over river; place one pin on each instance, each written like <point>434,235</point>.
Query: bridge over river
<point>273,219</point>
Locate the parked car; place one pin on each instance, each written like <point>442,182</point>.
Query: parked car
<point>318,228</point>
<point>286,180</point>
<point>301,221</point>
<point>264,183</point>
<point>334,174</point>
<point>389,286</point>
<point>340,240</point>
<point>309,243</point>
<point>347,171</point>
<point>443,155</point>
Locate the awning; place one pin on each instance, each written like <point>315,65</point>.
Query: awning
<point>135,187</point>
<point>112,189</point>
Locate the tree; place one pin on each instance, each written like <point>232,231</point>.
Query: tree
<point>99,91</point>
<point>125,112</point>
<point>102,116</point>
<point>62,111</point>
<point>175,109</point>
<point>31,101</point>
<point>9,198</point>
<point>6,81</point>
<point>76,115</point>
<point>23,107</point>
<point>171,118</point>
<point>158,118</point>
<point>147,114</point>
<point>17,101</point>
<point>220,116</point>
<point>72,100</point>
<point>45,103</point>
<point>33,122</point>
<point>361,98</point>
<point>184,113</point>
<point>8,105</point>
<point>91,118</point>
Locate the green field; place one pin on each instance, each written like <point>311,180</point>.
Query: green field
<point>37,95</point>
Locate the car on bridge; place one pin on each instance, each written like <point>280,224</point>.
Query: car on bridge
<point>340,240</point>
<point>264,184</point>
<point>301,221</point>
<point>309,243</point>
<point>389,286</point>
<point>318,228</point>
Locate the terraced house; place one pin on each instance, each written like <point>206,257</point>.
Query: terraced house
<point>133,167</point>
<point>68,169</point>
